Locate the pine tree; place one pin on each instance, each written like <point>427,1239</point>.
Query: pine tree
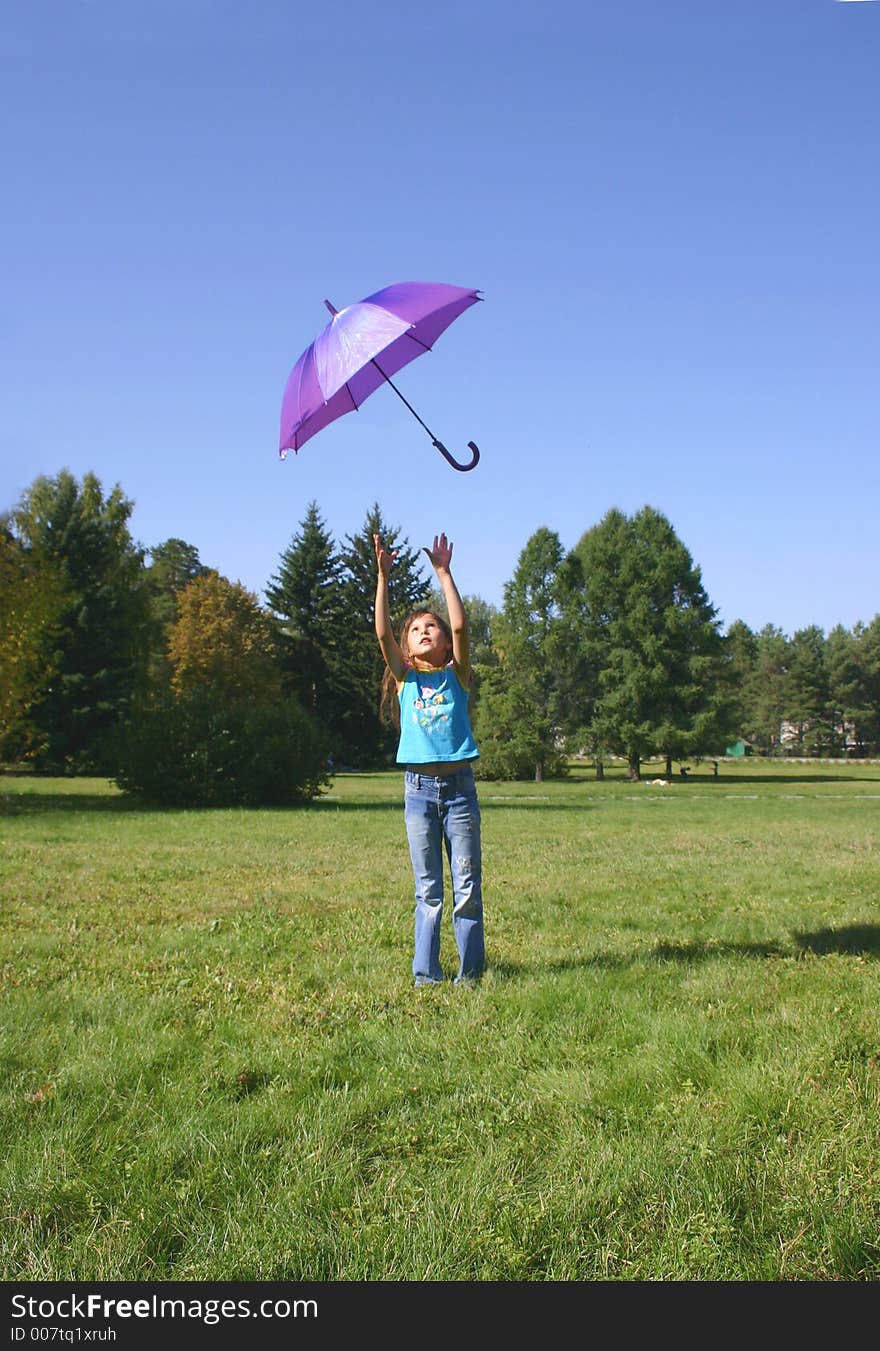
<point>742,654</point>
<point>868,658</point>
<point>766,692</point>
<point>846,695</point>
<point>103,633</point>
<point>528,703</point>
<point>807,693</point>
<point>306,595</point>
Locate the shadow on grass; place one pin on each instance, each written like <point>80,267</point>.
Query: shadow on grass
<point>44,804</point>
<point>861,940</point>
<point>854,940</point>
<point>33,804</point>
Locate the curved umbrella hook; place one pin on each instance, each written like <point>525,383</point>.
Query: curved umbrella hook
<point>475,457</point>
<point>475,454</point>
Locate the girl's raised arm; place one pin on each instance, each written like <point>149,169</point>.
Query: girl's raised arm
<point>441,561</point>
<point>384,632</point>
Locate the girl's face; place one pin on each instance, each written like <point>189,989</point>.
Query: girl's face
<point>427,642</point>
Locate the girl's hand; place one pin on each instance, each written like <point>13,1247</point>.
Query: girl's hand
<point>441,554</point>
<point>384,557</point>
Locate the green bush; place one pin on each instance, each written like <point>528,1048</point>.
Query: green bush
<point>193,751</point>
<point>508,759</point>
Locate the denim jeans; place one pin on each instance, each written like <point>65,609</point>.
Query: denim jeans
<point>442,815</point>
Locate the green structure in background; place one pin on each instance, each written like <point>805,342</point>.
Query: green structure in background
<point>737,750</point>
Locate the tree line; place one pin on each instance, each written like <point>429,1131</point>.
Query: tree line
<point>146,665</point>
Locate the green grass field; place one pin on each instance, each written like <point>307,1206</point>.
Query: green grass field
<point>215,1067</point>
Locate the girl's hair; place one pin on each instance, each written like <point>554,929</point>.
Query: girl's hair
<point>389,708</point>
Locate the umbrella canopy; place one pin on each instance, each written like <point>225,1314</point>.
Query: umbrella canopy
<point>361,347</point>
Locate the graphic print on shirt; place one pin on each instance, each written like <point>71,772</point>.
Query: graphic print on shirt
<point>431,707</point>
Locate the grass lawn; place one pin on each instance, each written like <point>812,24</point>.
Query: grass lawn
<point>215,1067</point>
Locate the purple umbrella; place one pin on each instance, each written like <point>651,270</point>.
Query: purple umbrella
<point>360,349</point>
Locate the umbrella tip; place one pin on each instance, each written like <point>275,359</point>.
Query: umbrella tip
<point>330,307</point>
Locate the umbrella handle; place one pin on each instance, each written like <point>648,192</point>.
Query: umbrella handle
<point>455,464</point>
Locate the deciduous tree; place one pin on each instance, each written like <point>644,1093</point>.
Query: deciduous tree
<point>224,642</point>
<point>173,565</point>
<point>220,731</point>
<point>653,638</point>
<point>32,601</point>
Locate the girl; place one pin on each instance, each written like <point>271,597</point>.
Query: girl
<point>430,669</point>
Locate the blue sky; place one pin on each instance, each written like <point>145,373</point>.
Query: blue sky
<point>672,210</point>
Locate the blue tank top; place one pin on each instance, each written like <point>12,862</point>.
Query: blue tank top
<point>434,721</point>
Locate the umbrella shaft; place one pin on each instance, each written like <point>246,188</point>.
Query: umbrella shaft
<point>403,400</point>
